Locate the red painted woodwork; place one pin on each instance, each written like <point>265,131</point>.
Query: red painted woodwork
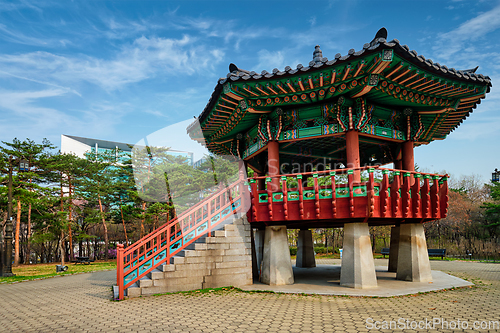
<point>375,201</point>
<point>156,248</point>
<point>352,152</point>
<point>408,158</point>
<point>273,163</point>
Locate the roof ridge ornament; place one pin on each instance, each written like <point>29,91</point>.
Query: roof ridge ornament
<point>317,55</point>
<point>470,71</point>
<point>381,34</point>
<point>233,69</point>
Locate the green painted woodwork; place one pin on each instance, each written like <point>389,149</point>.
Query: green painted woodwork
<point>342,192</point>
<point>278,197</point>
<point>263,197</point>
<point>325,193</point>
<point>293,196</point>
<point>359,191</point>
<point>315,111</point>
<point>311,131</point>
<point>308,194</point>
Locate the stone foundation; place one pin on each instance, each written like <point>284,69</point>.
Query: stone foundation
<point>413,259</point>
<point>305,250</point>
<point>276,261</point>
<point>358,267</point>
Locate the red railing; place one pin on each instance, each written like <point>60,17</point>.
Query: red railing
<point>155,249</point>
<point>335,195</point>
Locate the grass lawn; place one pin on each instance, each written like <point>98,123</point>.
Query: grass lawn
<point>41,271</point>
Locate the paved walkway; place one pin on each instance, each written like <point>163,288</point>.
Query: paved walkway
<point>81,303</point>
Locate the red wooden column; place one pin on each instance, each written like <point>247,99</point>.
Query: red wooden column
<point>261,183</point>
<point>408,159</point>
<point>352,152</point>
<point>273,164</point>
<point>398,164</point>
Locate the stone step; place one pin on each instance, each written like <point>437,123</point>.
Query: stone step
<point>200,240</point>
<point>145,282</point>
<point>204,262</point>
<point>177,260</point>
<point>167,268</point>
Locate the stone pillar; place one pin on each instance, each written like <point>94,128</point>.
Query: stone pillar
<point>413,259</point>
<point>276,262</point>
<point>358,267</point>
<point>259,248</point>
<point>305,250</point>
<point>352,152</point>
<point>393,250</point>
<point>273,164</point>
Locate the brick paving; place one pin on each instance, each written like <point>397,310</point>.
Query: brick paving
<point>81,303</point>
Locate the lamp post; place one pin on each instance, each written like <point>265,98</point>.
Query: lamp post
<point>495,176</point>
<point>7,251</point>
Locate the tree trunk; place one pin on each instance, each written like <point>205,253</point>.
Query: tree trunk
<point>106,240</point>
<point>70,234</point>
<point>326,240</point>
<point>124,227</point>
<point>28,236</point>
<point>16,239</point>
<point>143,218</point>
<point>88,248</point>
<point>61,247</point>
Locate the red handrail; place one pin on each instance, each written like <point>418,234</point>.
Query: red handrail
<point>156,248</point>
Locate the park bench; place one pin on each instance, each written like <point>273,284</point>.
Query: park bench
<point>83,260</point>
<point>432,252</point>
<point>437,253</point>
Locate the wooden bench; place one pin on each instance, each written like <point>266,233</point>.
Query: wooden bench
<point>437,253</point>
<point>431,252</point>
<point>83,260</point>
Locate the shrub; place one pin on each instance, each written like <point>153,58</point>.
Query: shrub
<point>112,254</point>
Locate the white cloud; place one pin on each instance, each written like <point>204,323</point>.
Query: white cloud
<point>270,60</point>
<point>20,38</point>
<point>451,43</point>
<point>26,116</point>
<point>41,82</point>
<point>16,6</point>
<point>143,59</point>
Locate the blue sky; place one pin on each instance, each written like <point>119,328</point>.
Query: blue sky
<point>121,70</point>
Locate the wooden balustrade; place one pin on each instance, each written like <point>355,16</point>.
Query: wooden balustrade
<point>336,196</point>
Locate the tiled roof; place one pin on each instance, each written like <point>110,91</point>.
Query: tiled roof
<point>376,45</point>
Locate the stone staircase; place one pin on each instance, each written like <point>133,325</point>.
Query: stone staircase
<point>224,259</point>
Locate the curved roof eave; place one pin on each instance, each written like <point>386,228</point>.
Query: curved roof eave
<point>377,44</point>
